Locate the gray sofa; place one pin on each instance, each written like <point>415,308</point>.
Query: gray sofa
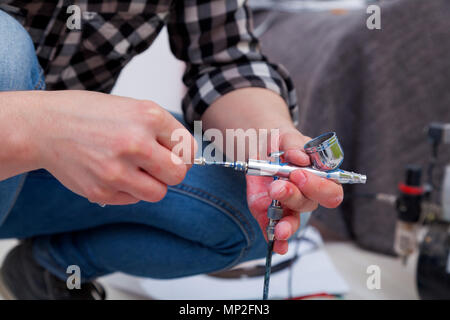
<point>378,89</point>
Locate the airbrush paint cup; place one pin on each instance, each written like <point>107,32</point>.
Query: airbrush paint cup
<point>325,152</point>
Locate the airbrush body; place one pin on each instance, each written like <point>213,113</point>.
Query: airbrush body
<point>282,169</point>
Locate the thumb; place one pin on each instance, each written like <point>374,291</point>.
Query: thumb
<point>292,143</point>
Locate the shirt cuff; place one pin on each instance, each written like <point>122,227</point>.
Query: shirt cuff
<point>219,81</point>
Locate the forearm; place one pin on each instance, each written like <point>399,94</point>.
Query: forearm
<point>17,152</point>
<point>251,108</point>
<point>246,108</point>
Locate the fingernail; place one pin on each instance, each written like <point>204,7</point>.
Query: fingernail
<point>278,189</point>
<point>299,178</point>
<point>286,234</point>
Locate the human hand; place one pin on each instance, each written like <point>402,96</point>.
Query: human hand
<point>109,149</point>
<point>303,192</point>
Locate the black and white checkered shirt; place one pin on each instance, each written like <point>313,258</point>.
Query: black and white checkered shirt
<point>213,37</point>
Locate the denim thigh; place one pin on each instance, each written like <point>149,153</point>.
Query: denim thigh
<point>19,70</point>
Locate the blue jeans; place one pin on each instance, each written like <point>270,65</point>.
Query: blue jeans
<point>202,225</point>
<point>24,74</point>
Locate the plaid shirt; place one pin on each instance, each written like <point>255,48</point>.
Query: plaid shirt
<point>213,37</point>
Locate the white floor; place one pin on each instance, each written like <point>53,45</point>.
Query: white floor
<point>397,281</point>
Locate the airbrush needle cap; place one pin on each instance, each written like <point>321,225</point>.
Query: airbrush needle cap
<point>325,152</point>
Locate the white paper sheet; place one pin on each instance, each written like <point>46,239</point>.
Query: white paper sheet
<point>313,273</point>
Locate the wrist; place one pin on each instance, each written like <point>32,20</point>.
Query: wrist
<point>21,152</point>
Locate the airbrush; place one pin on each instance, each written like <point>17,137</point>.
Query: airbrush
<point>326,155</point>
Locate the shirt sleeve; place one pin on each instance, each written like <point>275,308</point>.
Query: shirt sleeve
<point>214,38</point>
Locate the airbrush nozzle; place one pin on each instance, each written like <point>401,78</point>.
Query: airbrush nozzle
<point>200,161</point>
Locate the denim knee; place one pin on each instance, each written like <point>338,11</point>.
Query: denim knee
<point>231,244</point>
<point>19,68</point>
<point>234,241</point>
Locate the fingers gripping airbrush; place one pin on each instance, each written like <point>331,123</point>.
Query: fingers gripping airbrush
<point>326,156</point>
<point>324,151</point>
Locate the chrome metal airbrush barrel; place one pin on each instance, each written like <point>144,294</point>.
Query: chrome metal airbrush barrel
<point>267,168</point>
